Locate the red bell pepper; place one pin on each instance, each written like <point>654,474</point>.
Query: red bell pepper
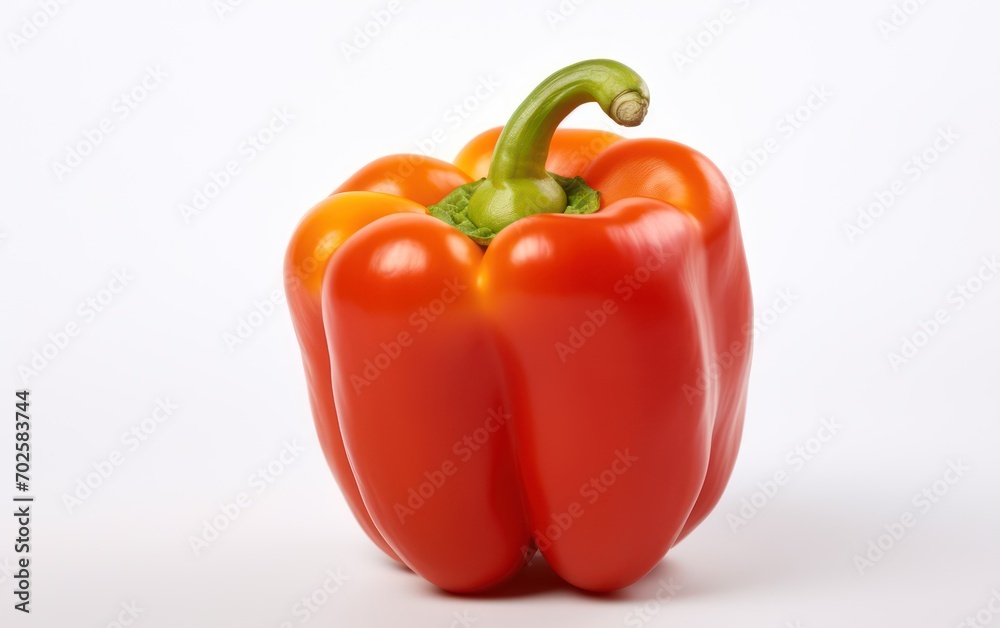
<point>535,360</point>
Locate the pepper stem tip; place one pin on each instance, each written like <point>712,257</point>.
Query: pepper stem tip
<point>629,108</point>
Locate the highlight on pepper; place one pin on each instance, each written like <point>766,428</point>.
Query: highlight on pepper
<point>518,352</point>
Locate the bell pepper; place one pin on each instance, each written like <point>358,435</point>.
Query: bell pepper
<point>544,347</point>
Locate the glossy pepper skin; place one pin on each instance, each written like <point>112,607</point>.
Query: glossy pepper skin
<point>574,383</point>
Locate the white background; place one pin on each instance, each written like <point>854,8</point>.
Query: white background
<point>824,356</point>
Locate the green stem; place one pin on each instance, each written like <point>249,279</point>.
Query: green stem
<point>517,184</point>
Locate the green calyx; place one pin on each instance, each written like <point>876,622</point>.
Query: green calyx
<point>454,208</point>
<point>517,184</point>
